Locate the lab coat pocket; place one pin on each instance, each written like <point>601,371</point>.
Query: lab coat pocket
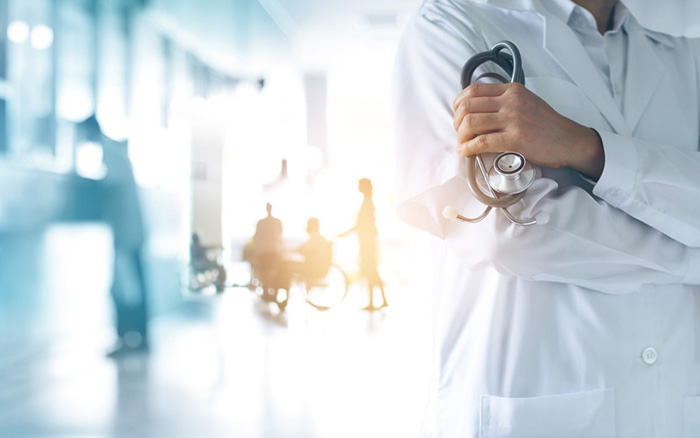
<point>691,417</point>
<point>567,99</point>
<point>589,414</point>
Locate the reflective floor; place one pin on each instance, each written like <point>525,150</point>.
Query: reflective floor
<point>233,366</point>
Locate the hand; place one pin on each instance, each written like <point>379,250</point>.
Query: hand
<point>509,117</point>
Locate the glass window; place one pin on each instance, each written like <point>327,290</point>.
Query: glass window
<point>30,76</point>
<point>113,68</point>
<point>3,40</point>
<point>3,74</point>
<point>75,61</point>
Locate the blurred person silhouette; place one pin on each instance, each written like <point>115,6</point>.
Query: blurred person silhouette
<point>366,230</point>
<point>317,253</point>
<point>121,210</point>
<point>202,258</point>
<point>267,258</point>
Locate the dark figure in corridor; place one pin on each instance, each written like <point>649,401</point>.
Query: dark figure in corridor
<point>267,255</point>
<point>121,210</point>
<point>366,230</point>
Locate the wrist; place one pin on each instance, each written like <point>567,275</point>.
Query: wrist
<point>589,158</point>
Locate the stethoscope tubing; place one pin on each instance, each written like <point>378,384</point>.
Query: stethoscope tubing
<point>509,62</point>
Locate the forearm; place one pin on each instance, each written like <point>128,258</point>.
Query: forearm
<point>584,241</point>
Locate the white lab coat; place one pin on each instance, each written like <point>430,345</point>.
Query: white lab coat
<point>540,330</point>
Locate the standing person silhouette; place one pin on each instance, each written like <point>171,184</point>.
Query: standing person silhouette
<point>121,210</point>
<point>268,251</point>
<point>366,230</point>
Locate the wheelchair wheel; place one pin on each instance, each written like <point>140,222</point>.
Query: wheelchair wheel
<point>327,292</point>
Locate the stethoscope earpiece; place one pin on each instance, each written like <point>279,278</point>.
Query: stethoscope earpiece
<point>449,212</point>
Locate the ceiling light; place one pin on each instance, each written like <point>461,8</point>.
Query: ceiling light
<point>18,32</point>
<point>42,37</point>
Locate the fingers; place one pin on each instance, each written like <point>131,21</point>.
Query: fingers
<point>482,144</point>
<point>484,117</point>
<point>472,125</point>
<point>474,105</point>
<point>480,90</point>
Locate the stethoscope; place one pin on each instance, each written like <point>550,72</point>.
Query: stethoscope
<point>511,175</point>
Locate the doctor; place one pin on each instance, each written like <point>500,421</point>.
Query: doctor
<point>588,323</point>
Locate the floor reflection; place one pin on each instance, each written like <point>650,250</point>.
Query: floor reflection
<point>231,365</point>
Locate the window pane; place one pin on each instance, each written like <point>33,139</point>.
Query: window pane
<point>30,76</point>
<point>75,48</point>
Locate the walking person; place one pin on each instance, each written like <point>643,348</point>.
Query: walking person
<point>366,230</point>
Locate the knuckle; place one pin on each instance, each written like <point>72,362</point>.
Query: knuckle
<point>469,121</point>
<point>466,105</point>
<point>458,100</point>
<point>473,90</point>
<point>481,143</point>
<point>515,90</point>
<point>515,87</point>
<point>518,130</point>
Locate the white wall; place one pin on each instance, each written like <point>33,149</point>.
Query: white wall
<point>675,17</point>
<point>207,159</point>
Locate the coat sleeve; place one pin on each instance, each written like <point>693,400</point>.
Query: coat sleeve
<point>657,184</point>
<point>580,239</point>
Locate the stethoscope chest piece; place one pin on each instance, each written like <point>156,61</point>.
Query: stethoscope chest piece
<point>511,174</point>
<point>505,183</point>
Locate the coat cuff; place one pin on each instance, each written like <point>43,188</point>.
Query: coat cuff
<point>619,174</point>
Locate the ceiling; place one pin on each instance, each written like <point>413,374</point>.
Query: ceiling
<point>252,36</point>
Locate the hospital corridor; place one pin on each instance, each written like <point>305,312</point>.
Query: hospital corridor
<point>140,142</point>
<point>241,219</point>
<point>226,365</point>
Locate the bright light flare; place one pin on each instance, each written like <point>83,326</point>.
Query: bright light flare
<point>314,158</point>
<point>88,160</point>
<point>18,32</point>
<point>41,37</point>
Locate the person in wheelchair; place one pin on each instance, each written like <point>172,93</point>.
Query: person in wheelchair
<point>203,259</point>
<point>317,253</point>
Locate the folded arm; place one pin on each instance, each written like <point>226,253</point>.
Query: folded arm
<point>612,245</point>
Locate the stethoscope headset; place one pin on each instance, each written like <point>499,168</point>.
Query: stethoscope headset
<point>511,175</point>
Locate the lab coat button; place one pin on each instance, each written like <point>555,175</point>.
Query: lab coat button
<point>649,356</point>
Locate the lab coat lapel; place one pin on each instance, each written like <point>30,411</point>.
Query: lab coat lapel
<point>563,45</point>
<point>644,73</point>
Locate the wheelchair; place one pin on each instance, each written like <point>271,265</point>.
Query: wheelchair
<point>203,273</point>
<point>325,291</point>
<point>275,277</point>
